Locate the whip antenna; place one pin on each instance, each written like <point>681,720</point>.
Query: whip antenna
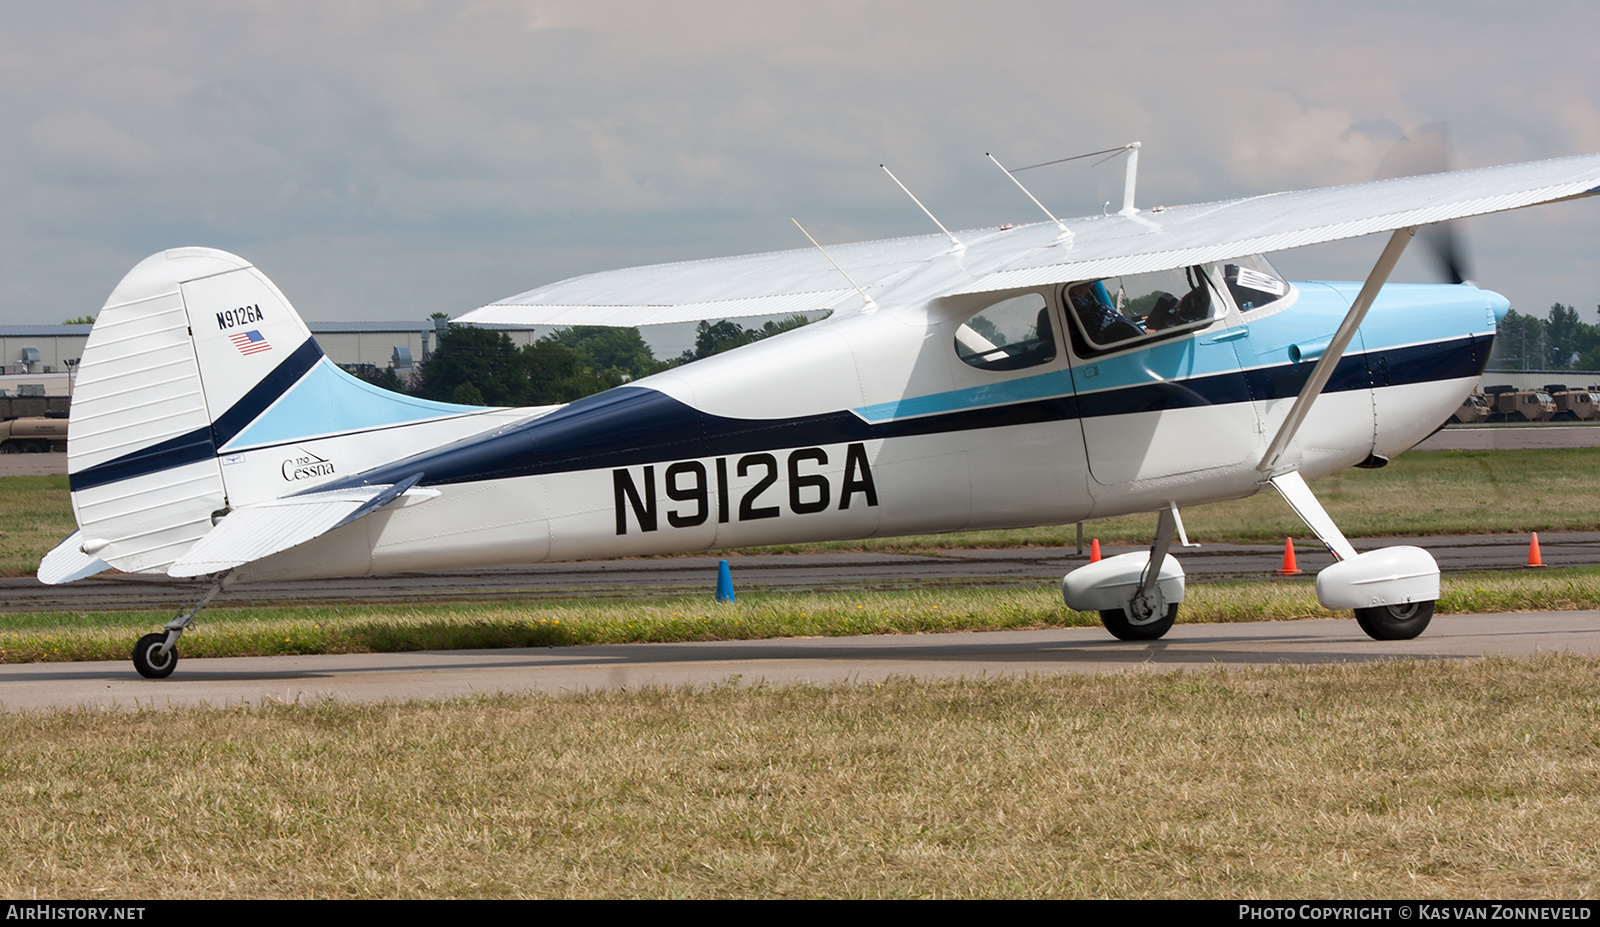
<point>1066,233</point>
<point>954,241</point>
<point>870,305</point>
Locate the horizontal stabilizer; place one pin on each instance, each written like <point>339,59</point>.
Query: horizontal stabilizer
<point>68,563</point>
<point>252,532</point>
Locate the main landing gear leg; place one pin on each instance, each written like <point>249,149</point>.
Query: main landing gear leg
<point>1391,590</point>
<point>1136,594</point>
<point>155,656</point>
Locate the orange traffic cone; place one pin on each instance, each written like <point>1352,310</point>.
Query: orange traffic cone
<point>1289,567</point>
<point>1534,560</point>
<point>1094,550</point>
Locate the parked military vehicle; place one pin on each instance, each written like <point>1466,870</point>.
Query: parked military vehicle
<point>1573,404</point>
<point>34,435</point>
<point>32,406</point>
<point>1514,405</point>
<point>1474,409</point>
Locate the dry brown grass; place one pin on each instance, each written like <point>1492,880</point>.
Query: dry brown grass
<point>1414,779</point>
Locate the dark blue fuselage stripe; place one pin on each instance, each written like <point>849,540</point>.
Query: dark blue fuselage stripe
<point>202,443</point>
<point>632,425</point>
<point>629,426</point>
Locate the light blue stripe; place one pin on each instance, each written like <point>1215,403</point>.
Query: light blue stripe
<point>1041,386</point>
<point>1403,314</point>
<point>329,401</point>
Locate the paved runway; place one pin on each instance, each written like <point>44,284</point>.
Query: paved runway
<point>1510,437</point>
<point>380,677</point>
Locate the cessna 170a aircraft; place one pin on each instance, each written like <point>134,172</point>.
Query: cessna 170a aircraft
<point>1041,374</point>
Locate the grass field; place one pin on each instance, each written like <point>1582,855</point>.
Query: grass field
<point>28,637</point>
<point>1421,493</point>
<point>1424,779</point>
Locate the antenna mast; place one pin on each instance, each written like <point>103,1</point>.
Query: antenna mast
<point>1130,179</point>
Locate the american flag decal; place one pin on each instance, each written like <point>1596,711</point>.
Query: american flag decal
<point>250,342</point>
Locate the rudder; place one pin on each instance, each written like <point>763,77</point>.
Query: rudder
<point>190,347</point>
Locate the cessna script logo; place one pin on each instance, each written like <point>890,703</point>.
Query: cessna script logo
<point>307,466</point>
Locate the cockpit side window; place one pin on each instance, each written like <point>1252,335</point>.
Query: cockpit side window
<point>1009,335</point>
<point>1118,311</point>
<point>1254,283</point>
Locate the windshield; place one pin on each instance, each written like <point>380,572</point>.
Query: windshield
<point>1254,282</point>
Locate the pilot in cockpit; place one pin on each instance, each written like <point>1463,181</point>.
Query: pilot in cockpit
<point>1101,321</point>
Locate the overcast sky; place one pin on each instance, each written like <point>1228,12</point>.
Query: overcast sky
<point>389,160</point>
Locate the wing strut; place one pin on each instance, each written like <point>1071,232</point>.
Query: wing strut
<point>1335,350</point>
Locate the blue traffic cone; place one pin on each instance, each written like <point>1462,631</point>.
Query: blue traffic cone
<point>724,583</point>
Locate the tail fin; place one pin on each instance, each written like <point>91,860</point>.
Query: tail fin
<point>196,354</point>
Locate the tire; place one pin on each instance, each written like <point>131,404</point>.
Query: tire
<point>1123,629</point>
<point>34,447</point>
<point>1395,622</point>
<point>147,657</point>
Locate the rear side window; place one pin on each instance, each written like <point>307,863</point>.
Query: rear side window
<point>1009,335</point>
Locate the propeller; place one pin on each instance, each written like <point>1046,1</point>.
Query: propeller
<point>1426,150</point>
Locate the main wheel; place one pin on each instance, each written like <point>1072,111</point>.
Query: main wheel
<point>148,659</point>
<point>1395,622</point>
<point>1124,628</point>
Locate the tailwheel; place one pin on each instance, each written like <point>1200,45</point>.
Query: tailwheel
<point>150,661</point>
<point>152,657</point>
<point>1395,622</point>
<point>1124,628</point>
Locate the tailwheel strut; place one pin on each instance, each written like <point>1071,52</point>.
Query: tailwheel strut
<point>155,656</point>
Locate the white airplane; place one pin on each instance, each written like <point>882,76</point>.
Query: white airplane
<point>1004,377</point>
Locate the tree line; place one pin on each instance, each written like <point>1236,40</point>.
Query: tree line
<point>1562,342</point>
<point>480,366</point>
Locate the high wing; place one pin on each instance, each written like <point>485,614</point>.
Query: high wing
<point>1184,235</point>
<point>802,280</point>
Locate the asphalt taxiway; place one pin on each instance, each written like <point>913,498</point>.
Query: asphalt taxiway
<point>816,661</point>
